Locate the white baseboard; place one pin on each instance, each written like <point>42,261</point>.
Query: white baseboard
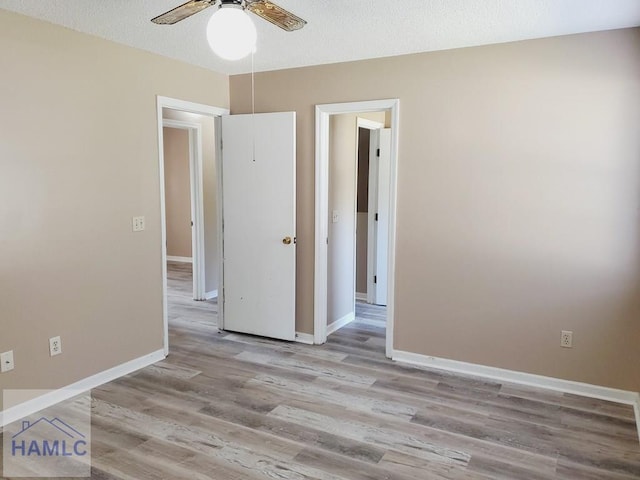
<point>306,338</point>
<point>171,258</point>
<point>30,407</point>
<point>500,374</point>
<point>522,378</point>
<point>211,294</point>
<point>362,297</point>
<point>341,322</point>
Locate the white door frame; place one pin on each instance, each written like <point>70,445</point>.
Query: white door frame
<point>201,109</point>
<point>323,114</point>
<point>197,206</point>
<point>372,200</point>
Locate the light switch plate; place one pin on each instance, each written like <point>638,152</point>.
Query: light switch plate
<point>6,361</point>
<point>137,224</point>
<point>334,216</point>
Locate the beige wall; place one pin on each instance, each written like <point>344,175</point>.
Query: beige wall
<point>210,189</point>
<point>78,159</point>
<point>518,198</point>
<point>342,200</point>
<point>177,192</point>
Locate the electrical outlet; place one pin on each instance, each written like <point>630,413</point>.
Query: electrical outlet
<point>55,346</point>
<point>137,224</point>
<point>6,361</point>
<point>566,339</point>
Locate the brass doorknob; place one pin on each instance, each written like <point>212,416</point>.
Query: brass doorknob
<point>286,240</point>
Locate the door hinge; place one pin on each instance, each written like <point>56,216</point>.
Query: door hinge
<point>378,153</point>
<point>327,240</point>
<point>375,279</point>
<point>376,217</point>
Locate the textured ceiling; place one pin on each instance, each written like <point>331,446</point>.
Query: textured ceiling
<point>338,30</point>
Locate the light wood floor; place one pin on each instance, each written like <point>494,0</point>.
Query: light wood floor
<point>229,407</point>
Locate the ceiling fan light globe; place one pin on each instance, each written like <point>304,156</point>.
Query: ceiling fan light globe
<point>231,33</point>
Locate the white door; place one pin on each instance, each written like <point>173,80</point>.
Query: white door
<point>259,223</point>
<point>372,219</point>
<point>382,223</point>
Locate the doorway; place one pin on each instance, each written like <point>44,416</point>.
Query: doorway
<point>327,219</point>
<point>195,125</point>
<point>372,209</point>
<point>255,147</point>
<point>184,191</point>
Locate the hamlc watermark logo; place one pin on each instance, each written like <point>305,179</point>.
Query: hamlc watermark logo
<point>54,438</point>
<point>55,442</point>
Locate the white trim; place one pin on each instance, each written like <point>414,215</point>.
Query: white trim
<point>393,201</point>
<point>211,294</point>
<point>362,297</point>
<point>636,409</point>
<point>368,124</point>
<point>30,407</point>
<point>184,106</point>
<point>305,338</point>
<point>522,378</point>
<point>219,227</point>
<point>321,227</point>
<point>323,112</point>
<point>338,324</point>
<point>171,258</point>
<point>191,107</point>
<point>179,124</point>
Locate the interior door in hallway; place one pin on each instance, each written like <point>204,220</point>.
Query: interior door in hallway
<point>381,239</point>
<point>259,224</point>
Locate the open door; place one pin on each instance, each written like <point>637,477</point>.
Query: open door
<point>259,224</point>
<point>381,224</point>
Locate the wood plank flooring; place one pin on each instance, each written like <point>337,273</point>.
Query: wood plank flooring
<point>229,406</point>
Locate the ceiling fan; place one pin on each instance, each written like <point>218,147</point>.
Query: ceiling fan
<point>263,8</point>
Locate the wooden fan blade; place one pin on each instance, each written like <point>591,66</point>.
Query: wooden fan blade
<point>183,11</point>
<point>276,15</point>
